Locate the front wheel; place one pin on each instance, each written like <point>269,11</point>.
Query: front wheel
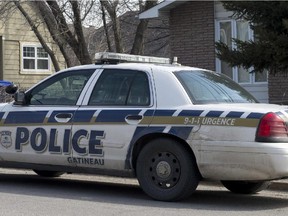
<point>245,187</point>
<point>166,170</point>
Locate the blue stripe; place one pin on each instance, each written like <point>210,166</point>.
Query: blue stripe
<point>182,132</point>
<point>234,114</point>
<point>142,130</point>
<point>214,114</point>
<point>255,115</point>
<point>26,117</point>
<point>190,112</point>
<point>1,114</point>
<point>164,112</point>
<point>115,115</point>
<point>83,115</point>
<point>149,113</point>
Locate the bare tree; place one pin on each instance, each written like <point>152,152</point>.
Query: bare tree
<point>50,21</point>
<point>64,20</point>
<point>138,44</point>
<point>111,7</point>
<point>106,27</point>
<point>77,41</point>
<point>34,27</point>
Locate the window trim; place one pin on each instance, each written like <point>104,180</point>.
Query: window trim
<point>96,77</point>
<point>234,34</point>
<point>55,78</point>
<point>33,71</point>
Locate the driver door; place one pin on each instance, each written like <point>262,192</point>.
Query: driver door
<point>39,131</point>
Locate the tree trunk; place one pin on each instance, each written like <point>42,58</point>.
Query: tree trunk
<point>138,45</point>
<point>51,24</point>
<point>111,9</point>
<point>82,46</point>
<point>78,48</point>
<point>39,36</point>
<point>106,28</point>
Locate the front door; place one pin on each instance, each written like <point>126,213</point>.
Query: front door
<point>39,132</point>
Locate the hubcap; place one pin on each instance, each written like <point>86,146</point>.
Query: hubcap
<point>164,170</point>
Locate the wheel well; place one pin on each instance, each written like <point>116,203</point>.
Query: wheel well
<point>145,139</point>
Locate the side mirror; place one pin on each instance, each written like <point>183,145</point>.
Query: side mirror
<point>11,89</point>
<point>19,98</point>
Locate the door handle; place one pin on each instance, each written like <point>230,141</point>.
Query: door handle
<point>134,117</point>
<point>63,117</point>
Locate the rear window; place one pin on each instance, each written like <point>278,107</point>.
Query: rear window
<point>205,87</point>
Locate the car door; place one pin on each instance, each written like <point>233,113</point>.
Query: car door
<point>39,131</point>
<point>113,113</point>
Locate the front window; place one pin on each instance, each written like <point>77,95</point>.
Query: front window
<point>205,87</point>
<point>35,59</point>
<point>226,30</point>
<point>61,89</point>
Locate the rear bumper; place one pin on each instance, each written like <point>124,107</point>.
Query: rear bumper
<point>243,161</point>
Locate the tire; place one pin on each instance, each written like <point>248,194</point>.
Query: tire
<point>45,173</point>
<point>245,187</point>
<point>166,171</point>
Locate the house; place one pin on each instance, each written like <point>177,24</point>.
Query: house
<point>195,26</point>
<point>23,61</point>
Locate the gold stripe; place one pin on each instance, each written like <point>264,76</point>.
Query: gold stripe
<point>209,121</point>
<point>157,120</point>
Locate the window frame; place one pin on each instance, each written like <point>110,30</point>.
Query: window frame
<point>36,58</point>
<point>51,80</point>
<point>87,101</point>
<point>235,70</point>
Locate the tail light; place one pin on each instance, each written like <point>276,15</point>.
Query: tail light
<point>272,128</point>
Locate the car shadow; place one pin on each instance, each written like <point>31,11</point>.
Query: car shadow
<point>205,197</point>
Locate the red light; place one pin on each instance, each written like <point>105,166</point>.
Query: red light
<point>271,125</point>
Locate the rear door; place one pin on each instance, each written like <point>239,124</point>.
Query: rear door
<point>118,107</point>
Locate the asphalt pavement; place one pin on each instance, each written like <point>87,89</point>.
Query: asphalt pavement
<point>281,184</point>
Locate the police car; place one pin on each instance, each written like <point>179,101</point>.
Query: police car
<point>169,126</point>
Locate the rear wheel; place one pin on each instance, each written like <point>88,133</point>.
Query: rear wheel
<point>166,170</point>
<point>45,173</point>
<point>245,187</point>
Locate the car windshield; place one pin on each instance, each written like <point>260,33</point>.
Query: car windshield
<point>205,87</point>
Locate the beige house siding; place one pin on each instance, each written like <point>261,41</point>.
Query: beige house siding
<point>15,32</point>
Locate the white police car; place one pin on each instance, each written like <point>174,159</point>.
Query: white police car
<point>170,126</point>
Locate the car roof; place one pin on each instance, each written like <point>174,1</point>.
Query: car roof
<point>135,66</point>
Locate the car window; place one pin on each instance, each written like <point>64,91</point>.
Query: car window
<point>62,89</point>
<point>121,88</point>
<point>205,87</point>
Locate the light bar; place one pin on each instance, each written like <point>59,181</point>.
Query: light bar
<point>109,57</point>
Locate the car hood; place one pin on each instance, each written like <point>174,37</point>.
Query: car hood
<point>2,105</point>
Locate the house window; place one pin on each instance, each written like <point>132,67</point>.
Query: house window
<point>35,59</point>
<point>226,30</point>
